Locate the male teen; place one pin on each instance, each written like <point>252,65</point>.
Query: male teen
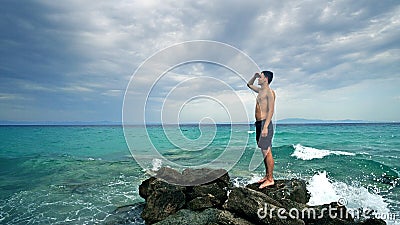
<point>265,104</point>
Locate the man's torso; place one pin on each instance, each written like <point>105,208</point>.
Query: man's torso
<point>262,103</point>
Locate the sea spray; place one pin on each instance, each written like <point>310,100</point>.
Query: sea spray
<point>156,163</point>
<point>357,199</point>
<point>321,189</point>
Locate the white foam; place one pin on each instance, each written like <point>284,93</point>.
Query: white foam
<point>308,153</point>
<point>242,182</point>
<point>251,131</point>
<point>324,191</point>
<point>156,164</point>
<point>321,189</point>
<point>254,178</point>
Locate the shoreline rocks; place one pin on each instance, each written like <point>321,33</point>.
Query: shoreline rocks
<point>194,198</point>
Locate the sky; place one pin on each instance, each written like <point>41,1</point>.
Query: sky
<point>74,60</point>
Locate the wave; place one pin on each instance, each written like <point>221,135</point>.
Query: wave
<point>324,191</point>
<point>309,153</point>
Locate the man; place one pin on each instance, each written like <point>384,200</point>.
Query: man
<point>265,105</point>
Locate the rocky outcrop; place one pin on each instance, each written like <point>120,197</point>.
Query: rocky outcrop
<point>164,199</point>
<point>257,207</point>
<point>191,197</point>
<point>294,190</point>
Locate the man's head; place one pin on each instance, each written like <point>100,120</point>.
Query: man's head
<point>265,76</point>
<point>269,75</point>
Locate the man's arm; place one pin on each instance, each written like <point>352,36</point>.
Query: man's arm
<point>251,82</point>
<point>270,112</point>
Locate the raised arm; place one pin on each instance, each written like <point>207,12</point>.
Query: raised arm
<point>251,82</point>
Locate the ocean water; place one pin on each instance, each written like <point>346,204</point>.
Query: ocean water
<point>82,174</point>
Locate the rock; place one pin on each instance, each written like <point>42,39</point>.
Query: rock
<point>163,200</point>
<point>373,221</point>
<point>323,214</point>
<point>225,218</point>
<point>293,189</point>
<point>208,216</point>
<point>195,177</point>
<point>201,203</point>
<point>332,213</point>
<point>160,194</point>
<point>170,175</point>
<point>204,190</point>
<point>186,216</point>
<point>144,190</point>
<point>257,207</point>
<point>206,196</point>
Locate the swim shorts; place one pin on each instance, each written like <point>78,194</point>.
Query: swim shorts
<point>264,142</point>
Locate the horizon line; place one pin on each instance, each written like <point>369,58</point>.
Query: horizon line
<point>288,121</point>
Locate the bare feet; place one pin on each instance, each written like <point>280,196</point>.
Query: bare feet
<point>262,180</point>
<point>266,183</point>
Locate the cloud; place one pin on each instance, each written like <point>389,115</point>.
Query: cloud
<point>76,56</point>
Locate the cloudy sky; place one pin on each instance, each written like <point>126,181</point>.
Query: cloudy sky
<point>73,60</point>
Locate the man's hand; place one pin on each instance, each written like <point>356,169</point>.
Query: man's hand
<point>264,132</point>
<point>251,81</point>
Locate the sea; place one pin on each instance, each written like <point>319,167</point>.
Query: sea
<point>83,174</point>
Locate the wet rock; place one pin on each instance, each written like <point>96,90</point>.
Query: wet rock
<point>257,207</point>
<point>373,221</point>
<point>144,190</point>
<point>206,196</point>
<point>332,213</point>
<point>208,216</point>
<point>293,189</point>
<point>163,200</point>
<point>198,199</point>
<point>195,177</point>
<point>169,175</point>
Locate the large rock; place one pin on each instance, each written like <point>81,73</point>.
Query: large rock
<point>332,213</point>
<point>193,177</point>
<point>293,189</point>
<point>170,175</point>
<point>163,199</point>
<point>144,188</point>
<point>258,207</point>
<point>208,216</point>
<point>205,196</point>
<point>373,221</point>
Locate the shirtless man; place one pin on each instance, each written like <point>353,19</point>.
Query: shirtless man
<point>265,105</point>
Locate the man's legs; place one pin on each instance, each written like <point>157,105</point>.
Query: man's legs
<point>268,180</point>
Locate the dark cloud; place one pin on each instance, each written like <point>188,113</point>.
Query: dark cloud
<point>72,56</point>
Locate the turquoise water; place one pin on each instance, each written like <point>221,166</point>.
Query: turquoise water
<point>81,174</point>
